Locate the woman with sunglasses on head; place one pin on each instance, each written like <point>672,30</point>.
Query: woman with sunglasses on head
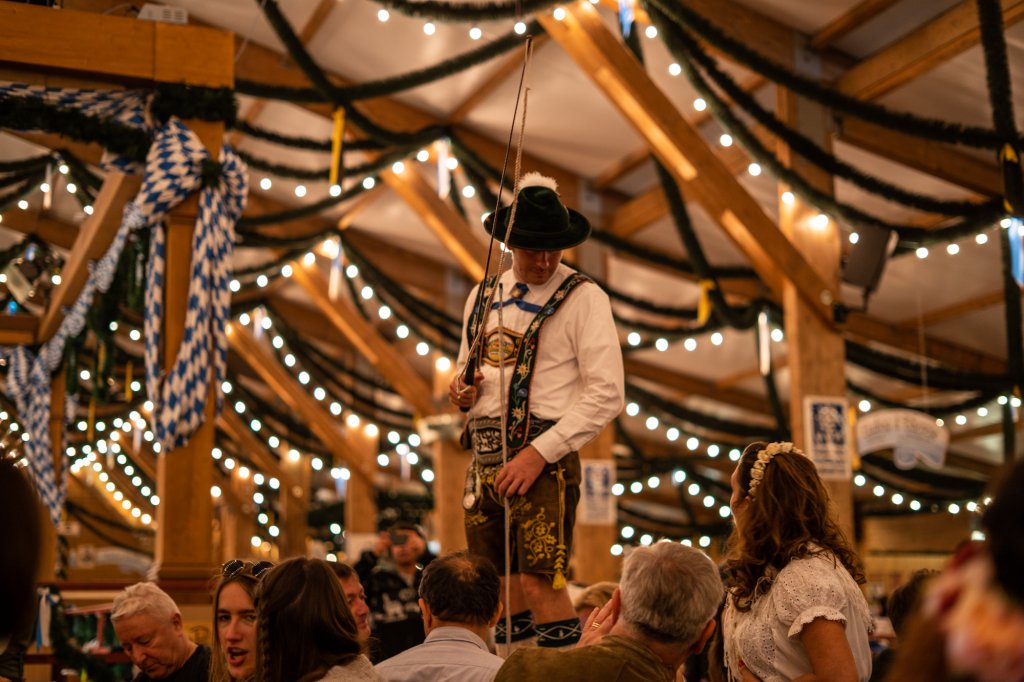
<point>793,608</point>
<point>234,621</point>
<point>306,630</point>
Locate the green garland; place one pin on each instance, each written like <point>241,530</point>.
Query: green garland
<point>806,147</point>
<point>944,410</point>
<point>664,12</point>
<point>910,372</point>
<point>33,113</point>
<point>448,67</point>
<point>653,402</point>
<point>194,102</point>
<point>32,163</point>
<point>910,238</point>
<point>961,487</point>
<point>462,11</point>
<point>1012,313</point>
<point>250,237</point>
<point>260,133</point>
<point>323,174</point>
<point>652,256</point>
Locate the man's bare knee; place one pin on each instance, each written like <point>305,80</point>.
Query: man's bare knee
<point>535,585</point>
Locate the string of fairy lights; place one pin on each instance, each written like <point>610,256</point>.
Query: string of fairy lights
<point>97,459</point>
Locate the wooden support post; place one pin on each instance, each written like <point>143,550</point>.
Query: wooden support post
<point>592,557</point>
<point>592,560</point>
<point>293,503</point>
<point>360,494</point>
<point>243,513</point>
<point>49,552</point>
<point>184,547</point>
<point>450,464</point>
<point>816,349</point>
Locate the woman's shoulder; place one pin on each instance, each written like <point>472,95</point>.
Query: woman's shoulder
<point>358,670</point>
<point>816,567</point>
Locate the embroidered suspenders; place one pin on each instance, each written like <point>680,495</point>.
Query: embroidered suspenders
<point>518,421</point>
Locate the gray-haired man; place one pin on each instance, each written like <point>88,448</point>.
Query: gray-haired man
<point>148,623</point>
<point>662,612</point>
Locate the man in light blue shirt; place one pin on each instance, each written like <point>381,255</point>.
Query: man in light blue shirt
<point>459,601</point>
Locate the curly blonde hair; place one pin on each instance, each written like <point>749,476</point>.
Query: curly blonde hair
<point>788,518</point>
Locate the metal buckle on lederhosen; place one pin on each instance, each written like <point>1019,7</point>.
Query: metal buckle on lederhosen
<point>485,437</point>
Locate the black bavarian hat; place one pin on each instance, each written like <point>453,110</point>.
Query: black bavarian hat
<point>542,221</point>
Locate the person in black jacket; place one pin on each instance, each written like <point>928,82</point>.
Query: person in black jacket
<point>391,579</point>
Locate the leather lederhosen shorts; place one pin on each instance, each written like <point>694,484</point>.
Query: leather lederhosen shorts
<point>541,521</point>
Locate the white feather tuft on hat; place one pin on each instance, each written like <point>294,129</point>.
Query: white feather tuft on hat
<point>534,179</point>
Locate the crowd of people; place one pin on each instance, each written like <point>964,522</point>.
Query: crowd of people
<point>784,604</point>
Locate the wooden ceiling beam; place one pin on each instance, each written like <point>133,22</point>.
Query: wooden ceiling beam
<point>935,159</point>
<point>639,212</point>
<point>367,340</point>
<point>448,226</point>
<point>864,328</point>
<point>952,312</point>
<point>295,396</point>
<point>949,34</point>
<point>848,22</point>
<point>691,385</point>
<point>92,241</point>
<point>496,79</point>
<point>51,231</point>
<point>308,32</point>
<point>587,39</point>
<point>19,329</point>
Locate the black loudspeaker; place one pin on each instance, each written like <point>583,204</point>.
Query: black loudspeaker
<point>867,258</point>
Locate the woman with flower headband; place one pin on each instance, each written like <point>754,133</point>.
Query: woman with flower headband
<point>234,621</point>
<point>793,608</point>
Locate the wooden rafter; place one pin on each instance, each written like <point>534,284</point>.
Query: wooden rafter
<point>367,340</point>
<point>265,65</point>
<point>956,310</point>
<point>691,385</point>
<point>92,241</point>
<point>117,47</point>
<point>585,37</point>
<point>295,396</point>
<point>849,21</point>
<point>495,80</point>
<point>639,212</point>
<point>254,448</point>
<point>449,228</point>
<point>933,158</point>
<point>951,33</point>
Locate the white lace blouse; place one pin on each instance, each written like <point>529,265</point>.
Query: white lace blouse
<point>767,637</point>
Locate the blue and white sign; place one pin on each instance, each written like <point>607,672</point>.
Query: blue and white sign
<point>597,503</point>
<point>826,437</point>
<point>913,436</point>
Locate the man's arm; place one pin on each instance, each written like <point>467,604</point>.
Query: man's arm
<point>601,374</point>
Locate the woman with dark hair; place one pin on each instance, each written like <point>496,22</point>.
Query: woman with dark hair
<point>793,608</point>
<point>234,621</point>
<point>306,630</point>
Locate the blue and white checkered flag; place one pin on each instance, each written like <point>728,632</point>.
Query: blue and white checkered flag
<point>173,170</point>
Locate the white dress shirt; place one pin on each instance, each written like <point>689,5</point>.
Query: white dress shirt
<point>578,376</point>
<point>449,654</point>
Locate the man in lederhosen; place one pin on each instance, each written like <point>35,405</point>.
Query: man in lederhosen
<point>564,378</point>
